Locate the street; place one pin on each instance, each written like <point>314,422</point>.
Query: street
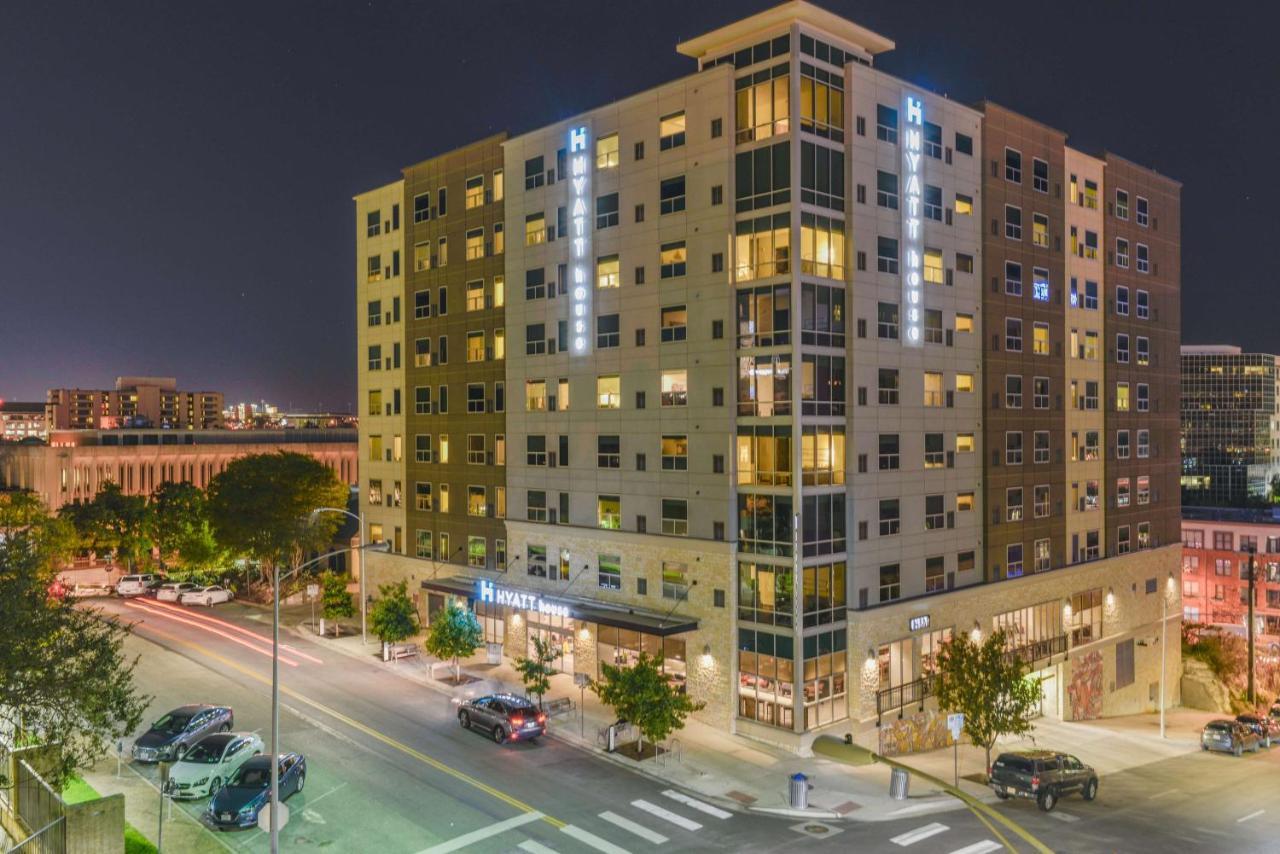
<point>389,770</point>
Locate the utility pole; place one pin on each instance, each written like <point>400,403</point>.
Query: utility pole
<point>1252,696</point>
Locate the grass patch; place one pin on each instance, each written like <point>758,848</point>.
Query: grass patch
<point>77,791</point>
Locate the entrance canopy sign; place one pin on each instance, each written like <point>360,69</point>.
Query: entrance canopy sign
<point>487,591</point>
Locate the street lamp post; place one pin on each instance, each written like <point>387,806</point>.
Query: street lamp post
<point>273,806</point>
<point>364,601</point>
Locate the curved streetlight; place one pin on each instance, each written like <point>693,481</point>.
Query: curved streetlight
<point>364,639</point>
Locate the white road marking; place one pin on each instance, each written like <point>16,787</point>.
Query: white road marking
<point>320,798</point>
<point>590,839</point>
<point>475,836</point>
<point>979,847</point>
<point>1063,816</point>
<point>675,818</point>
<point>1164,794</point>
<point>696,804</point>
<point>638,829</point>
<point>1251,815</point>
<point>535,847</point>
<point>313,816</point>
<point>911,837</point>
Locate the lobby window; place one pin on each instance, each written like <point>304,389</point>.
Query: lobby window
<point>608,452</point>
<point>762,247</point>
<point>1039,175</point>
<point>608,392</point>
<point>607,151</point>
<point>887,190</point>
<point>675,517</point>
<point>607,334</point>
<point>887,255</point>
<point>762,177</point>
<point>672,260</point>
<point>764,455</point>
<point>477,502</point>
<point>671,131</point>
<point>675,388</point>
<point>1040,230</point>
<point>1013,448</point>
<point>535,450</point>
<point>534,173</point>
<point>1013,278</point>
<point>765,524</point>
<point>423,498</point>
<point>1013,222</point>
<point>535,229</point>
<point>675,453</point>
<point>674,320</point>
<point>609,571</point>
<point>762,104</point>
<point>1013,165</point>
<point>886,124</point>
<point>821,246</point>
<point>537,511</point>
<point>608,512</point>
<point>890,583</point>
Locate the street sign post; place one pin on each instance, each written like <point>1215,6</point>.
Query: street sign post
<point>955,723</point>
<point>264,816</point>
<point>164,784</point>
<point>313,591</point>
<point>581,680</point>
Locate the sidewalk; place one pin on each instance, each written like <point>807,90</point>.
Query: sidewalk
<point>142,810</point>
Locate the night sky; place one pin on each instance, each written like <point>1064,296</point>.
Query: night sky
<point>176,177</point>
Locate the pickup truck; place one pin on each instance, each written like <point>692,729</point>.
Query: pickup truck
<point>1044,775</point>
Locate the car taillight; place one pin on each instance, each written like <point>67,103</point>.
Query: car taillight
<point>542,719</point>
<point>1035,782</point>
<point>517,722</point>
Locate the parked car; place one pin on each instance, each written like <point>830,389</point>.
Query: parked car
<point>1265,727</point>
<point>137,585</point>
<point>1229,737</point>
<point>206,595</point>
<point>1044,775</point>
<point>1274,714</point>
<point>172,591</point>
<point>238,803</point>
<point>506,717</point>
<point>212,761</point>
<point>171,735</point>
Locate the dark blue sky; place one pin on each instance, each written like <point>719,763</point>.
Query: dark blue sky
<point>176,178</point>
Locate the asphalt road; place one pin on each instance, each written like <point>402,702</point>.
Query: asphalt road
<point>390,771</point>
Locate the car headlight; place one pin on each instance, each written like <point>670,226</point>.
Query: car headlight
<point>201,781</point>
<point>250,809</point>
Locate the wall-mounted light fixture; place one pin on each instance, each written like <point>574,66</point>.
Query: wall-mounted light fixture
<point>1111,596</point>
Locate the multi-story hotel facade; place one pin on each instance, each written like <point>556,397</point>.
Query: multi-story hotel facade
<point>135,401</point>
<point>757,404</point>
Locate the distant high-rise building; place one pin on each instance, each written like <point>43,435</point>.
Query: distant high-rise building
<point>134,402</point>
<point>22,420</point>
<point>1230,426</point>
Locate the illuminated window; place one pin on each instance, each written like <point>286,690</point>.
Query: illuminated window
<point>609,512</point>
<point>933,266</point>
<point>671,131</point>
<point>476,550</point>
<point>608,392</point>
<point>375,268</point>
<point>964,502</point>
<point>675,453</point>
<point>499,239</point>
<point>821,246</point>
<point>1040,230</point>
<point>607,151</point>
<point>475,192</point>
<point>675,321</point>
<point>932,388</point>
<point>1090,194</point>
<point>475,244</point>
<point>475,346</point>
<point>607,272</point>
<point>822,103</point>
<point>535,229</point>
<point>1091,349</point>
<point>964,205</point>
<point>499,291</point>
<point>1040,339</point>
<point>423,499</point>
<point>672,259</point>
<point>675,388</point>
<point>497,185</point>
<point>475,295</point>
<point>964,323</point>
<point>964,382</point>
<point>964,443</point>
<point>762,104</point>
<point>762,247</point>
<point>442,252</point>
<point>422,256</point>
<point>1122,397</point>
<point>477,502</point>
<point>535,395</point>
<point>424,540</point>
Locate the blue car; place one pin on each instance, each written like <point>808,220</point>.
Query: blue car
<point>246,793</point>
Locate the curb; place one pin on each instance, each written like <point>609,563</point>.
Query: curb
<point>830,815</point>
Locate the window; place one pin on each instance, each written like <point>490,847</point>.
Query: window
<point>887,320</point>
<point>1122,492</point>
<point>536,450</point>
<point>535,395</point>
<point>1040,392</point>
<point>535,229</point>
<point>935,514</point>
<point>1013,448</point>
<point>822,176</point>
<point>1013,504</point>
<point>607,334</point>
<point>1122,397</point>
<point>1122,300</point>
<point>763,177</point>
<point>764,385</point>
<point>675,453</point>
<point>608,512</point>
<point>964,443</point>
<point>423,496</point>
<point>1144,489</point>
<point>933,395</point>
<point>422,400</point>
<point>1143,212</point>
<point>535,339</point>
<point>607,210</point>
<point>1144,444</point>
<point>1013,560</point>
<point>670,195</point>
<point>475,398</point>
<point>933,266</point>
<point>475,244</point>
<point>964,323</point>
<point>442,254</point>
<point>608,392</point>
<point>1013,334</point>
<point>1039,175</point>
<point>477,502</point>
<point>887,255</point>
<point>475,346</point>
<point>422,207</point>
<point>762,104</point>
<point>821,314</point>
<point>964,502</point>
<point>964,382</point>
<point>1122,253</point>
<point>964,205</point>
<point>1144,535</point>
<point>534,175</point>
<point>890,522</point>
<point>671,131</point>
<point>821,246</point>
<point>672,259</point>
<point>1013,278</point>
<point>933,140</point>
<point>964,144</point>
<point>1144,305</point>
<point>887,190</point>
<point>1144,351</point>
<point>1040,230</point>
<point>933,202</point>
<point>675,579</point>
<point>933,326</point>
<point>609,570</point>
<point>1122,348</point>
<point>886,124</point>
<point>1040,447</point>
<point>675,388</point>
<point>889,455</point>
<point>1013,165</point>
<point>1013,222</point>
<point>1013,391</point>
<point>675,517</point>
<point>375,268</point>
<point>1122,204</point>
<point>607,151</point>
<point>888,385</point>
<point>674,321</point>
<point>1040,502</point>
<point>890,583</point>
<point>1144,397</point>
<point>762,247</point>
<point>1144,261</point>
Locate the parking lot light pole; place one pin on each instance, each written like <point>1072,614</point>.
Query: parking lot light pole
<point>276,578</point>
<point>364,636</point>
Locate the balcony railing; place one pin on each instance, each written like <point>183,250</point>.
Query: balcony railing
<point>898,696</point>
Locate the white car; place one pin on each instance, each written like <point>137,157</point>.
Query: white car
<point>205,595</point>
<point>210,762</point>
<point>135,585</point>
<point>173,591</point>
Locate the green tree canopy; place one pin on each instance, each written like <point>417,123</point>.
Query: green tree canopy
<point>393,617</point>
<point>183,531</point>
<point>988,686</point>
<point>261,504</point>
<point>536,672</point>
<point>642,695</point>
<point>64,677</point>
<point>335,598</point>
<point>54,538</point>
<point>114,523</point>
<point>455,632</point>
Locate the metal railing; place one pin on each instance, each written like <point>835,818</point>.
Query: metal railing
<point>39,808</point>
<point>898,696</point>
<point>1039,650</point>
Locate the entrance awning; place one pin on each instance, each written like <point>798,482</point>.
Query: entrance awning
<point>634,619</point>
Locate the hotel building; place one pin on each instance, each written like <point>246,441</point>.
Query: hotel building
<point>134,402</point>
<point>794,397</point>
<point>1217,543</point>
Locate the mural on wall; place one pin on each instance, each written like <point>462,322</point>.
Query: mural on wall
<point>1085,690</point>
<point>914,734</point>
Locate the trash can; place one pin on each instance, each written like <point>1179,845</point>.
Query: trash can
<point>898,784</point>
<point>798,791</point>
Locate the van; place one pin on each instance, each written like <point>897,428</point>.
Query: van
<point>136,585</point>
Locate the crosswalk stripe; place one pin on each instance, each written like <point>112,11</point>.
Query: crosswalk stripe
<point>475,836</point>
<point>535,847</point>
<point>696,804</point>
<point>982,847</point>
<point>588,838</point>
<point>638,829</point>
<point>911,837</point>
<point>1063,816</point>
<point>675,818</point>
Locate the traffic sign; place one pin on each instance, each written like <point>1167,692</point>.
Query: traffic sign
<point>313,590</point>
<point>955,723</point>
<point>264,816</point>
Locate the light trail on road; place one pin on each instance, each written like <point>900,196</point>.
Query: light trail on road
<point>206,628</point>
<point>212,620</point>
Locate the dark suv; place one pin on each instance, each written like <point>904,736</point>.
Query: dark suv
<point>1044,775</point>
<point>505,717</point>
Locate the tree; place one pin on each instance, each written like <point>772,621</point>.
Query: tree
<point>455,632</point>
<point>114,523</point>
<point>260,505</point>
<point>988,686</point>
<point>182,530</point>
<point>23,512</point>
<point>393,617</point>
<point>335,599</point>
<point>642,695</point>
<point>64,677</point>
<point>536,672</point>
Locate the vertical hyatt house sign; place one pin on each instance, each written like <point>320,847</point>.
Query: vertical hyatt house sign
<point>580,239</point>
<point>912,252</point>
